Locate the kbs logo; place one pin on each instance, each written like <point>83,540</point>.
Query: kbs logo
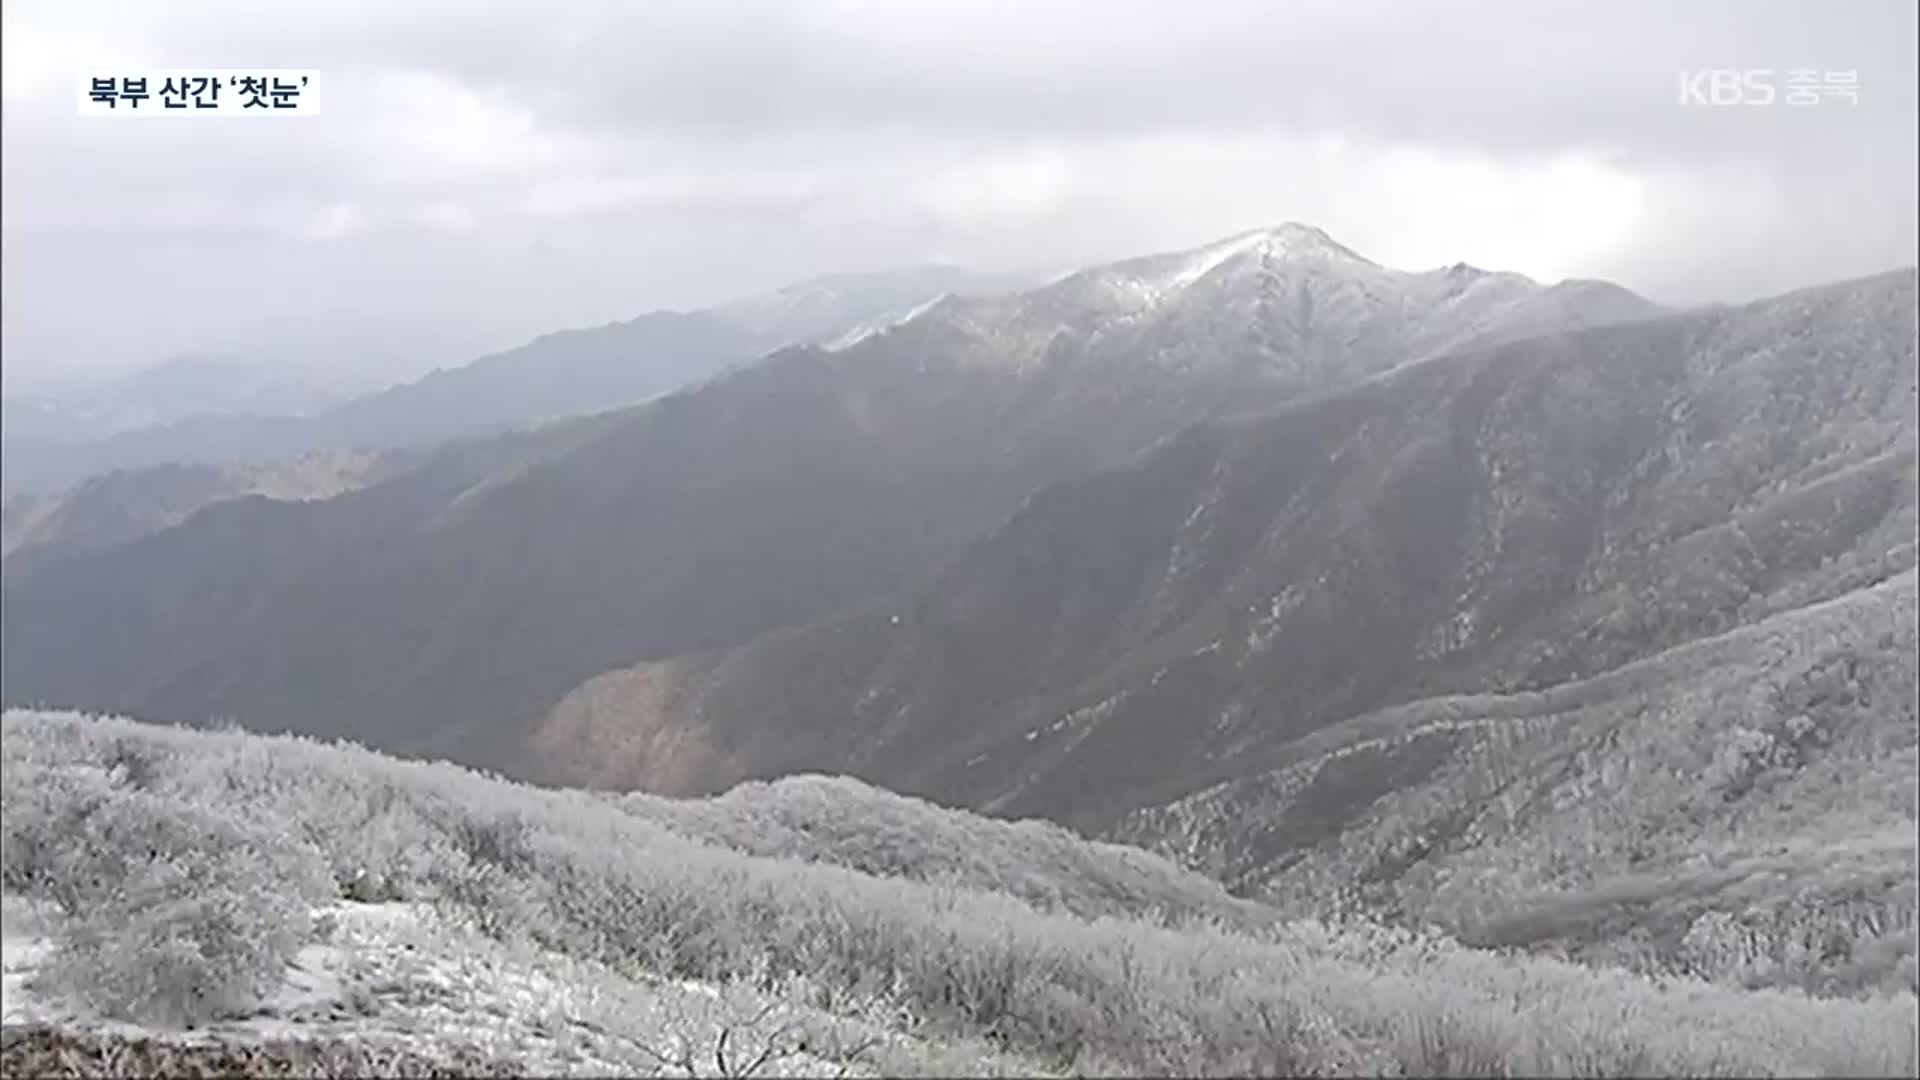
<point>1758,86</point>
<point>1727,86</point>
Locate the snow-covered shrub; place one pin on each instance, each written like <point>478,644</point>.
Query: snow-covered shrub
<point>176,950</point>
<point>178,915</point>
<point>41,807</point>
<point>844,822</point>
<point>580,877</point>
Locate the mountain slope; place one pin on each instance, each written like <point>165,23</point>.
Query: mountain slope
<point>123,506</point>
<point>384,911</point>
<point>214,571</point>
<point>1600,643</point>
<point>573,372</point>
<point>842,822</point>
<point>1497,521</point>
<point>767,497</point>
<point>820,309</point>
<point>174,389</point>
<point>569,373</point>
<point>1743,804</point>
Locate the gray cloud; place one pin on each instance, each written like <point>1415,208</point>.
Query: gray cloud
<point>488,174</point>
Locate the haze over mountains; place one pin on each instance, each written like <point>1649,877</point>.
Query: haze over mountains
<point>772,495</point>
<point>172,390</point>
<point>1339,582</point>
<point>211,411</point>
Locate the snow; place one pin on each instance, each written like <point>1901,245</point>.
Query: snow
<point>25,929</point>
<point>1206,260</point>
<point>1291,240</point>
<point>398,974</point>
<point>1317,311</point>
<point>19,956</point>
<point>1137,285</point>
<point>883,324</point>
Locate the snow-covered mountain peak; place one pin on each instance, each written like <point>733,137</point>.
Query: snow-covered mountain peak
<point>1145,284</point>
<point>1305,305</point>
<point>1294,239</point>
<point>1291,241</point>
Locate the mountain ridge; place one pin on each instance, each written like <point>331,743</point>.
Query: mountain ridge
<point>1021,555</point>
<point>1188,463</point>
<point>559,374</point>
<point>826,477</point>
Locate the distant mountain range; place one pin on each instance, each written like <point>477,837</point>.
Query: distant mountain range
<point>1348,585</point>
<point>1559,643</point>
<point>216,411</point>
<point>1499,520</point>
<point>178,388</point>
<point>448,613</point>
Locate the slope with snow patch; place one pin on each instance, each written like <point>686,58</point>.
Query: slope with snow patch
<point>404,979</point>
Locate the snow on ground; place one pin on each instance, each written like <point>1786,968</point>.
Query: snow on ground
<point>398,974</point>
<point>24,929</point>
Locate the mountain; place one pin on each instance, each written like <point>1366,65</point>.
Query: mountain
<point>1522,641</point>
<point>211,418</point>
<point>123,506</point>
<point>772,495</point>
<point>817,310</point>
<point>178,388</point>
<point>595,370</point>
<point>1744,801</point>
<point>1499,520</point>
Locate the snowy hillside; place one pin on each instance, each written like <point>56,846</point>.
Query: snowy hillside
<point>398,987</point>
<point>179,900</point>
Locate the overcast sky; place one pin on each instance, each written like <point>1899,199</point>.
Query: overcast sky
<point>485,171</point>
